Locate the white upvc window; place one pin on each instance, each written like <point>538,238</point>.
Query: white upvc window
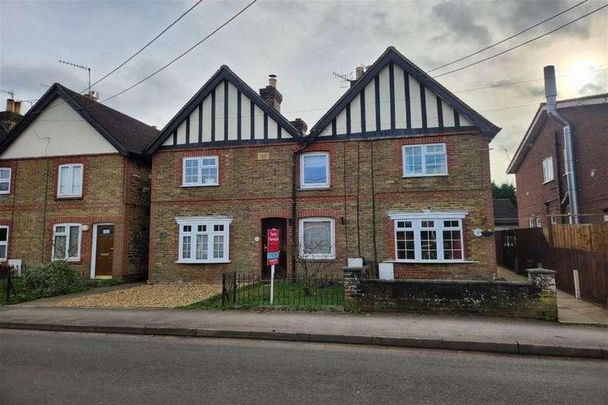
<point>200,171</point>
<point>5,180</point>
<point>425,160</point>
<point>314,170</point>
<point>69,180</point>
<point>203,239</point>
<point>318,238</point>
<point>67,241</point>
<point>429,237</point>
<point>548,171</point>
<point>3,243</point>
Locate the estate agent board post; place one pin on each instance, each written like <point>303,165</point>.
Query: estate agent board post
<point>272,256</point>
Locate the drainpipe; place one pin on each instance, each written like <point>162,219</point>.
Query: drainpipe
<point>551,95</point>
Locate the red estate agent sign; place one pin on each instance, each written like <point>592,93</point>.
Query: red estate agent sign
<point>274,246</point>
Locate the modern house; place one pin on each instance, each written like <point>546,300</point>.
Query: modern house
<point>74,185</point>
<point>397,171</point>
<point>540,170</point>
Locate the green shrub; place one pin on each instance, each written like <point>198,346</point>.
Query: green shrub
<point>54,278</point>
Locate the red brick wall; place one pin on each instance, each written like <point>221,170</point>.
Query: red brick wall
<point>252,189</point>
<point>537,199</point>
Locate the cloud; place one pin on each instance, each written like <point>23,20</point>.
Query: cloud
<point>460,17</point>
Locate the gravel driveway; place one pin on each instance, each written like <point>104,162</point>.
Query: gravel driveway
<point>165,295</point>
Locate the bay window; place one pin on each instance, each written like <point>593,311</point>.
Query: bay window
<point>203,239</point>
<point>426,237</point>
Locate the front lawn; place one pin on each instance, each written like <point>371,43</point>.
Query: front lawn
<point>288,295</point>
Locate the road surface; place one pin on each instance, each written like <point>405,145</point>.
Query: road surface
<point>64,368</point>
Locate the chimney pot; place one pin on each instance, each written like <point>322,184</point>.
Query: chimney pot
<point>550,86</point>
<point>270,94</point>
<point>359,71</point>
<point>300,125</point>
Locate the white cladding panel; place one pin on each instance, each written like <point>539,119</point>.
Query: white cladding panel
<point>385,99</point>
<point>181,133</point>
<point>219,112</point>
<point>341,122</point>
<point>232,112</point>
<point>432,118</point>
<point>326,131</point>
<point>464,122</point>
<point>207,119</point>
<point>448,115</point>
<point>194,126</point>
<point>273,129</point>
<point>58,131</point>
<point>370,109</point>
<point>259,123</point>
<point>415,103</point>
<point>245,118</point>
<point>355,115</point>
<point>400,104</point>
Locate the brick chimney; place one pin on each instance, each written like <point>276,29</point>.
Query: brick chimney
<point>13,106</point>
<point>300,125</point>
<point>359,72</point>
<point>271,95</point>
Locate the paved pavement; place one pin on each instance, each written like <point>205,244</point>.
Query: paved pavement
<point>51,368</point>
<point>569,309</point>
<point>406,330</point>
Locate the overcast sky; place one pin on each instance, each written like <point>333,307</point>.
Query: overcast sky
<point>303,42</point>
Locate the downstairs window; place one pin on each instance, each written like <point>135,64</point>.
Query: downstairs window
<point>203,239</point>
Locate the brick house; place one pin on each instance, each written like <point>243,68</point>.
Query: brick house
<point>74,185</point>
<point>397,171</point>
<point>539,170</point>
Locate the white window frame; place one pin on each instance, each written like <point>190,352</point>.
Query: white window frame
<point>416,219</point>
<point>5,243</point>
<point>332,234</point>
<point>424,147</point>
<point>548,170</point>
<point>71,167</point>
<point>209,222</point>
<point>200,183</point>
<point>324,184</point>
<point>67,244</point>
<point>10,174</point>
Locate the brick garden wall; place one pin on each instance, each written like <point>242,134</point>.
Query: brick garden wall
<point>253,187</point>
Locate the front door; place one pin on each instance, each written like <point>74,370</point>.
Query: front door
<point>281,268</point>
<point>104,250</point>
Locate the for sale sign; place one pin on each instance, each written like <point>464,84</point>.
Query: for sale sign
<point>273,249</point>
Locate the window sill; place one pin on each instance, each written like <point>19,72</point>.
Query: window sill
<point>68,197</point>
<point>548,181</point>
<point>202,262</point>
<point>410,176</point>
<point>431,261</point>
<point>5,192</point>
<point>313,188</point>
<point>318,258</point>
<point>199,185</point>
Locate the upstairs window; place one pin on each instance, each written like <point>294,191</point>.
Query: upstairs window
<point>5,180</point>
<point>548,174</point>
<point>425,160</point>
<point>203,239</point>
<point>314,170</point>
<point>200,171</point>
<point>67,240</point>
<point>3,243</point>
<point>69,181</point>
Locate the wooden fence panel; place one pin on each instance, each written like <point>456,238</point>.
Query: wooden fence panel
<point>563,248</point>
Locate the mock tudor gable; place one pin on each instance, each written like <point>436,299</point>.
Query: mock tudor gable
<point>225,111</point>
<point>395,97</point>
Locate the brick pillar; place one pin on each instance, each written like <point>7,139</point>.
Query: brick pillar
<point>544,279</point>
<point>352,287</point>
